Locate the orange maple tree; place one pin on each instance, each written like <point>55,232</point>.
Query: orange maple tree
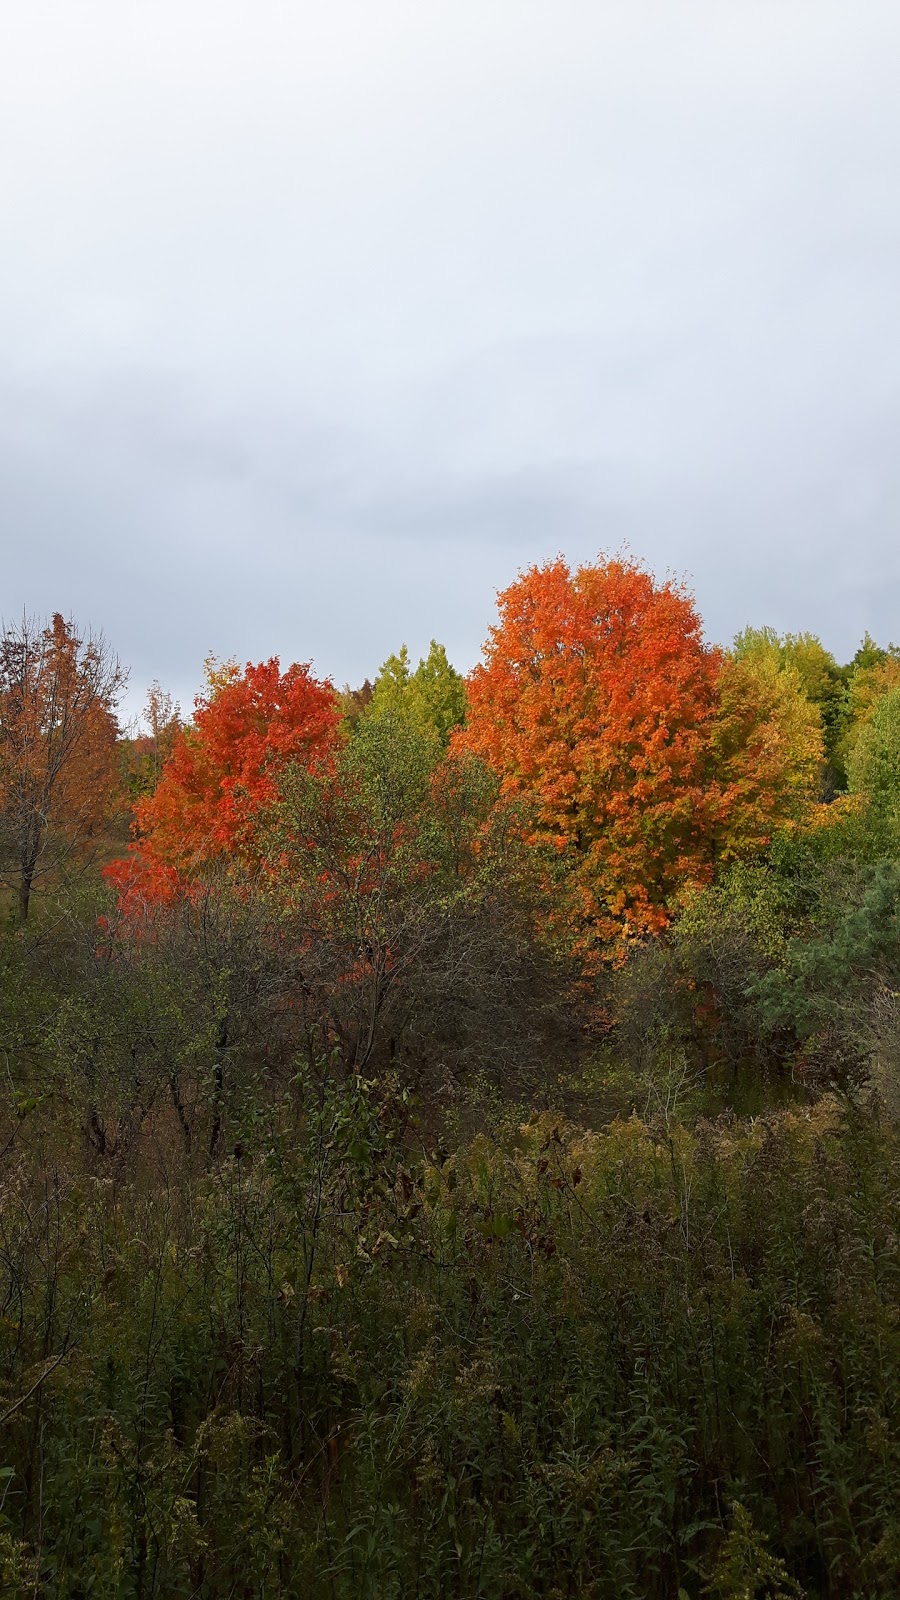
<point>594,703</point>
<point>58,784</point>
<point>222,774</point>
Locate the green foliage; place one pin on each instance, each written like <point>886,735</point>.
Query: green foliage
<point>871,654</point>
<point>876,673</point>
<point>745,1568</point>
<point>780,973</point>
<point>408,895</point>
<point>549,1362</point>
<point>432,698</point>
<point>875,760</point>
<point>830,980</point>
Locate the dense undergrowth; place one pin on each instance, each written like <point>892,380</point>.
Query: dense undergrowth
<point>640,1361</point>
<point>616,1315</point>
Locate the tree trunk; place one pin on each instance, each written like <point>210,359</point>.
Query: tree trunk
<point>25,892</point>
<point>218,1083</point>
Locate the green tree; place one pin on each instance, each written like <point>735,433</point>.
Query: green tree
<point>432,698</point>
<point>410,899</point>
<point>871,654</point>
<point>872,674</point>
<point>875,756</point>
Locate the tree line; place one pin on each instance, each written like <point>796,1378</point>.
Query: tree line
<point>640,759</point>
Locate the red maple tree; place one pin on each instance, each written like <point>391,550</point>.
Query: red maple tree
<point>221,775</point>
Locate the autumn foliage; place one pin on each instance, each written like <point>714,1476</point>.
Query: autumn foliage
<point>223,773</point>
<point>632,756</point>
<point>58,732</point>
<point>635,756</point>
<point>643,754</point>
<point>768,755</point>
<point>594,702</point>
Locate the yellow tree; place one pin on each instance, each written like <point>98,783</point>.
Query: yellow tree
<point>58,693</point>
<point>768,751</point>
<point>816,674</point>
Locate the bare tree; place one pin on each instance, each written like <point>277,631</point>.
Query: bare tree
<point>58,692</point>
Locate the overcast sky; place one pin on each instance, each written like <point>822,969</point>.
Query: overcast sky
<point>318,320</point>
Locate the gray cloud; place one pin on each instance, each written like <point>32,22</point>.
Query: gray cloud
<point>317,322</point>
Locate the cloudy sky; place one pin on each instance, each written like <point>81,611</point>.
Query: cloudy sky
<point>320,319</point>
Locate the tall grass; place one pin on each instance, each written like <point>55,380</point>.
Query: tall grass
<point>648,1362</point>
